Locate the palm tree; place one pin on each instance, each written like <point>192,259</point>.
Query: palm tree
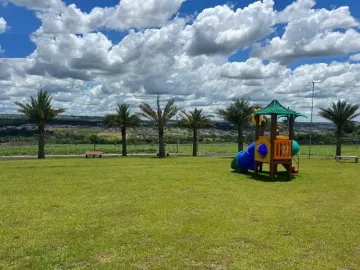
<point>195,120</point>
<point>341,114</point>
<point>239,114</point>
<point>123,119</point>
<point>40,110</point>
<point>160,118</point>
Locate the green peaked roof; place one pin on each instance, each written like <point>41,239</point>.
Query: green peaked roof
<point>296,115</point>
<point>300,115</point>
<point>276,108</point>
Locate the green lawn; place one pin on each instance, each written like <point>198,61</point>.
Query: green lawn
<point>231,148</point>
<point>176,213</point>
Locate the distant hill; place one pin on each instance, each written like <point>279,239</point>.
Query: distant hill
<point>71,120</point>
<point>74,120</point>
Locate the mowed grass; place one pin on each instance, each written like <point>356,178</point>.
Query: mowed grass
<point>176,213</point>
<point>80,149</point>
<point>229,148</point>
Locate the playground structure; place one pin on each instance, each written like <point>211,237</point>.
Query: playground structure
<point>274,149</point>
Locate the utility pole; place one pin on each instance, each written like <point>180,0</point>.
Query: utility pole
<point>357,141</point>
<point>177,136</point>
<point>311,117</point>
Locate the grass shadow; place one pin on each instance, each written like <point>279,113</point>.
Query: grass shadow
<point>156,157</point>
<point>225,157</point>
<point>264,176</point>
<point>346,161</point>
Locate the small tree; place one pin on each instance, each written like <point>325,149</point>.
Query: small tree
<point>94,139</point>
<point>160,118</point>
<point>341,114</point>
<point>196,120</point>
<point>123,119</point>
<point>238,113</point>
<point>41,111</point>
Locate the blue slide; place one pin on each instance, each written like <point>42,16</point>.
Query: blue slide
<point>244,160</point>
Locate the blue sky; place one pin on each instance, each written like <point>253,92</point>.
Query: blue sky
<point>16,42</point>
<point>200,52</point>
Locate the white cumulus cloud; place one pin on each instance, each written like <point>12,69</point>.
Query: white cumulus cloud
<point>36,4</point>
<point>3,25</point>
<point>355,57</point>
<point>252,69</point>
<point>312,34</point>
<point>222,30</point>
<point>57,18</point>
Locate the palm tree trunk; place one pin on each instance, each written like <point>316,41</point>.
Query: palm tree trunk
<point>41,149</point>
<point>240,139</point>
<point>338,142</point>
<point>161,143</point>
<point>195,144</point>
<point>123,142</point>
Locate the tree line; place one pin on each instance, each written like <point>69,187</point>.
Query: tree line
<point>239,113</point>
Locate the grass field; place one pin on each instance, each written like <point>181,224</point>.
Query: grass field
<point>79,149</point>
<point>176,213</point>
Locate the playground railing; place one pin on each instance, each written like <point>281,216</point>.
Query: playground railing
<point>282,149</point>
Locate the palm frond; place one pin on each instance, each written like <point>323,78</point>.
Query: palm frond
<point>148,112</point>
<point>196,119</point>
<point>238,112</point>
<point>134,121</point>
<point>39,109</point>
<point>122,118</point>
<point>340,113</point>
<point>159,112</point>
<point>159,116</point>
<point>170,111</point>
<point>110,120</point>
